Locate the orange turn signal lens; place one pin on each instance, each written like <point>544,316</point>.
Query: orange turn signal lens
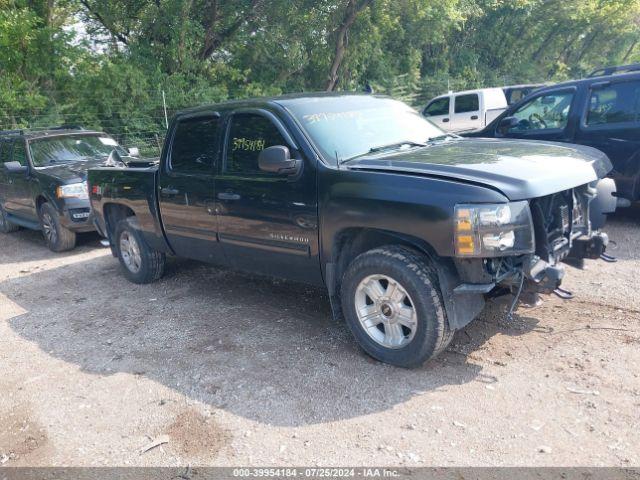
<point>465,245</point>
<point>465,239</point>
<point>463,220</point>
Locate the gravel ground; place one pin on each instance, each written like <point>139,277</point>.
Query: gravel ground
<point>211,367</point>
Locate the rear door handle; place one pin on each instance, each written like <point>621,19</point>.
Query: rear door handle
<point>169,191</point>
<point>228,196</point>
<point>474,117</point>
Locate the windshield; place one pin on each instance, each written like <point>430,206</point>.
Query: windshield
<point>347,127</point>
<point>74,148</point>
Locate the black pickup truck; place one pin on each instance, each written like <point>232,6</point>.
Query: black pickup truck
<point>409,229</point>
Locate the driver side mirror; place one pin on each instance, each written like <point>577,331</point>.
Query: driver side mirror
<point>507,123</point>
<point>15,167</point>
<point>277,159</point>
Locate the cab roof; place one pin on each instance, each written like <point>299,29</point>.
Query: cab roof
<point>282,100</point>
<point>590,80</point>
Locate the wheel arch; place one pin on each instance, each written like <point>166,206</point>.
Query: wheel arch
<point>351,242</point>
<point>41,200</point>
<point>112,214</point>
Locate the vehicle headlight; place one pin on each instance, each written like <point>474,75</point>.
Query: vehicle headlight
<point>73,190</point>
<point>493,230</point>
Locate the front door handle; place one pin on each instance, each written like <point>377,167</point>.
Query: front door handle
<point>228,196</point>
<point>169,191</point>
<point>445,120</point>
<point>474,117</point>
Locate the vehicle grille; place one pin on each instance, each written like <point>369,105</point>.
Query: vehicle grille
<point>558,219</point>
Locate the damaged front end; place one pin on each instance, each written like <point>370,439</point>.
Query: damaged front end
<point>522,250</point>
<point>563,235</point>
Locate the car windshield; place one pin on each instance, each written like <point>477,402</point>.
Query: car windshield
<point>73,148</point>
<point>343,128</point>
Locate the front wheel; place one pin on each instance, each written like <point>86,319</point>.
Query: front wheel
<point>58,238</point>
<point>393,305</point>
<point>141,263</point>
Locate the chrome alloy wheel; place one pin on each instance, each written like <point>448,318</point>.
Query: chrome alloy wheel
<point>386,311</point>
<point>130,252</point>
<point>49,228</point>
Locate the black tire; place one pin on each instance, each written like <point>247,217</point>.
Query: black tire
<point>58,238</point>
<point>5,225</point>
<point>415,274</point>
<point>151,262</point>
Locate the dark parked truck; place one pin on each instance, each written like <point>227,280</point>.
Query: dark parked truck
<point>43,181</point>
<point>409,229</point>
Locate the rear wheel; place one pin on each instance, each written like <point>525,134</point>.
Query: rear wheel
<point>58,238</point>
<point>5,225</point>
<point>141,263</point>
<point>393,305</point>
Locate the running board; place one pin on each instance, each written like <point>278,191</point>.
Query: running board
<point>23,222</point>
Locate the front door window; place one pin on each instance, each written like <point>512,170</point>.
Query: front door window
<point>546,112</point>
<point>437,108</point>
<point>249,134</point>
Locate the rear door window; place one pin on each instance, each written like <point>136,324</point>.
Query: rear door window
<point>195,145</point>
<point>2,152</point>
<point>19,153</point>
<point>437,108</point>
<point>5,151</point>
<point>467,103</point>
<point>614,103</point>
<point>546,112</point>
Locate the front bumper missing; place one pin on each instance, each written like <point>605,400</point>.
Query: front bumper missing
<point>592,247</point>
<point>542,277</point>
<point>467,285</point>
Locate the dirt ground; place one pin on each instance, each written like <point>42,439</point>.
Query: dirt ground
<point>211,367</point>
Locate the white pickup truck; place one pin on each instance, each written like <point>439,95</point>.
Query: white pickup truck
<point>468,110</point>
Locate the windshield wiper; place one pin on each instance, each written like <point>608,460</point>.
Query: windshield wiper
<point>396,145</point>
<point>390,146</point>
<point>444,136</point>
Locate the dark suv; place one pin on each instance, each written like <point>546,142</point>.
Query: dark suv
<point>601,111</point>
<point>43,181</point>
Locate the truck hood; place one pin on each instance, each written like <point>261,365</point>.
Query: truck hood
<point>519,169</point>
<point>75,172</point>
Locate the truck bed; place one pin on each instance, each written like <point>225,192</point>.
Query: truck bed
<point>132,188</point>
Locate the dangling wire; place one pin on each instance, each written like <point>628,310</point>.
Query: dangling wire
<point>516,298</point>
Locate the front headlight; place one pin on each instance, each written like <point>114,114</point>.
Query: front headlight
<point>73,190</point>
<point>493,230</point>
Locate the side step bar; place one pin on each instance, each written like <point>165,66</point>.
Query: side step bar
<point>23,222</point>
